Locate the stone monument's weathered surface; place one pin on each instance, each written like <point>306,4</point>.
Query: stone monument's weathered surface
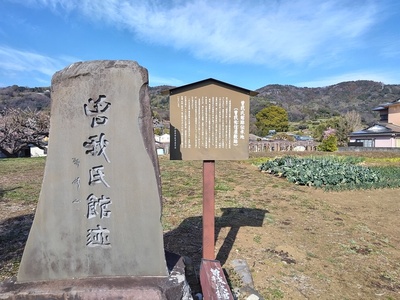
<point>99,209</point>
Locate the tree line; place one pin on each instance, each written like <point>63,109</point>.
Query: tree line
<point>20,128</point>
<point>27,122</point>
<point>275,118</point>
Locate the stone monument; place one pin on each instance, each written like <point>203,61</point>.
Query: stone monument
<point>99,210</point>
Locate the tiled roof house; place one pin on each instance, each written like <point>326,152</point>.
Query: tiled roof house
<point>385,133</point>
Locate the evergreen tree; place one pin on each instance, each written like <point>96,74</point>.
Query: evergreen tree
<point>272,118</point>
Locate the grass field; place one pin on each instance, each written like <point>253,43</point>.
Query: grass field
<point>299,242</point>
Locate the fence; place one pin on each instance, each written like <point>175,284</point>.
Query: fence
<point>269,146</point>
<point>265,146</point>
<point>369,149</point>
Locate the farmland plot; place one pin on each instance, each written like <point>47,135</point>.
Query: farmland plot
<point>299,242</point>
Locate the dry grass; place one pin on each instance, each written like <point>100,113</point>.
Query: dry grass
<point>300,243</point>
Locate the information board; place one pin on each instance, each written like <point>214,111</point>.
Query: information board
<point>209,122</point>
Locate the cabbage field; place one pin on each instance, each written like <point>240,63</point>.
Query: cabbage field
<point>332,172</point>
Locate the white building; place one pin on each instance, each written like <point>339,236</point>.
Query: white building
<point>164,139</point>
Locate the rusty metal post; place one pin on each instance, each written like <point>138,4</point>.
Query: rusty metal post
<point>208,209</point>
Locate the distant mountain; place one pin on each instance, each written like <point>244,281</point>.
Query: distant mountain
<point>23,97</point>
<point>313,103</point>
<point>302,104</point>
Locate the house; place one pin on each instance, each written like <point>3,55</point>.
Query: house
<point>165,138</point>
<point>162,143</point>
<point>385,133</point>
<point>29,151</point>
<point>38,152</point>
<point>162,138</point>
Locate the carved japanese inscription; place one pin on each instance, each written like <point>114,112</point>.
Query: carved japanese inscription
<point>96,145</point>
<point>99,209</point>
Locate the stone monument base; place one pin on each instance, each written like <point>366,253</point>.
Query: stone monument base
<point>172,287</point>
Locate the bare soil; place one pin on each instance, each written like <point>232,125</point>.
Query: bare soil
<point>299,242</point>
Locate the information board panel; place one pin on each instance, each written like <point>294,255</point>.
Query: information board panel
<point>209,122</point>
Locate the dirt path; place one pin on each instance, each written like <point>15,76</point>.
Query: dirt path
<point>322,245</point>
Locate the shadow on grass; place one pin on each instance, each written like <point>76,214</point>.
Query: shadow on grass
<point>186,240</point>
<point>13,235</point>
<point>3,191</point>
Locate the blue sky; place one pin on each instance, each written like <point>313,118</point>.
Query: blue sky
<point>249,43</point>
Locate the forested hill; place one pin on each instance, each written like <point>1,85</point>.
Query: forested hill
<point>313,103</point>
<point>301,103</point>
<point>15,96</point>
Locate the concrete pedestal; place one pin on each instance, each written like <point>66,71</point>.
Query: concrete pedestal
<point>172,287</point>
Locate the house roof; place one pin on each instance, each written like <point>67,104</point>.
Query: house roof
<point>253,137</point>
<point>378,130</point>
<point>386,105</point>
<point>208,81</point>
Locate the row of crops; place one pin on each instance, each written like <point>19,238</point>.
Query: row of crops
<point>332,172</point>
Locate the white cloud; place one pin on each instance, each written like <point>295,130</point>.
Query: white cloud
<point>15,61</point>
<point>378,76</point>
<point>266,32</point>
<point>391,49</point>
<point>53,4</point>
<point>156,80</point>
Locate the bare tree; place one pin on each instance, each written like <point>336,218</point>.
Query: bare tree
<point>353,121</point>
<point>347,124</point>
<point>343,125</point>
<point>20,128</point>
